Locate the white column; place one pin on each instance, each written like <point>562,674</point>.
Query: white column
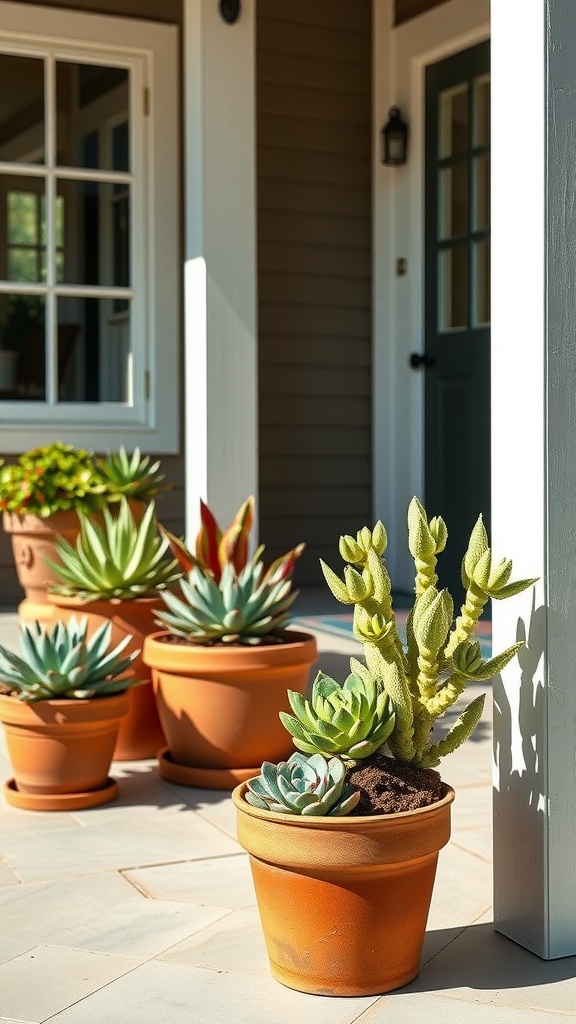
<point>534,468</point>
<point>220,272</point>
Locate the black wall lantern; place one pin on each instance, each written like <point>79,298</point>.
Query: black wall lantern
<point>229,11</point>
<point>394,139</point>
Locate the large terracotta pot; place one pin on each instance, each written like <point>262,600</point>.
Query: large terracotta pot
<point>60,751</point>
<point>33,540</point>
<point>344,901</point>
<point>140,734</point>
<point>219,705</point>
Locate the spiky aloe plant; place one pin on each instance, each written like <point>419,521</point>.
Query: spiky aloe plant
<point>249,608</point>
<point>303,785</point>
<point>441,656</point>
<point>121,559</point>
<point>134,476</point>
<point>63,662</point>
<point>352,721</point>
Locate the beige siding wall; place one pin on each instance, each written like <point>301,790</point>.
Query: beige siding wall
<point>406,9</point>
<point>171,503</point>
<point>314,274</point>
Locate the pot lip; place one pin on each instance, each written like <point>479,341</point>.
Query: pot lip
<point>301,639</point>
<point>326,821</point>
<point>63,702</point>
<point>62,600</point>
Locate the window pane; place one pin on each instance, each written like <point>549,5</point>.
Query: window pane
<point>481,172</point>
<point>91,100</point>
<point>453,206</point>
<point>482,111</point>
<point>482,283</point>
<point>95,357</point>
<point>21,109</point>
<point>22,247</point>
<point>97,234</point>
<point>453,287</point>
<point>454,127</point>
<point>22,357</point>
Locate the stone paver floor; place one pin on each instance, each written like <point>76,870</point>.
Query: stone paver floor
<point>143,912</point>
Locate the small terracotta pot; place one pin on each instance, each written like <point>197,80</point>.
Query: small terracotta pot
<point>219,705</point>
<point>344,901</point>
<point>61,749</point>
<point>140,734</point>
<point>33,540</point>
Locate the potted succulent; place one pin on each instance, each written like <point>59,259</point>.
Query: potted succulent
<point>61,703</point>
<point>221,667</point>
<point>344,836</point>
<point>116,573</point>
<point>43,492</point>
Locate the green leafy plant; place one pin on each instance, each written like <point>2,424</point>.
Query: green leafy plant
<point>393,699</point>
<point>303,785</point>
<point>59,477</point>
<point>121,559</point>
<point>63,662</point>
<point>53,478</point>
<point>133,476</point>
<point>226,597</point>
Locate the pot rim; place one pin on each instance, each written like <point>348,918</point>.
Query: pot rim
<point>337,823</point>
<point>301,638</point>
<point>63,600</point>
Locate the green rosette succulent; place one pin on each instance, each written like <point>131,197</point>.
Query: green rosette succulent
<point>134,476</point>
<point>65,663</point>
<point>121,559</point>
<point>352,720</point>
<point>250,607</point>
<point>303,785</point>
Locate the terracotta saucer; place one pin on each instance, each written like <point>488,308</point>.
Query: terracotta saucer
<point>203,778</point>
<point>60,801</point>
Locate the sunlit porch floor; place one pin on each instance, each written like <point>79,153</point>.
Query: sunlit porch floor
<point>142,912</point>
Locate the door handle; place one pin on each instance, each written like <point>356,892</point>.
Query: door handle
<point>418,359</point>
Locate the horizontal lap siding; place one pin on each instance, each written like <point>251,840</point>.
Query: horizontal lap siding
<point>314,274</point>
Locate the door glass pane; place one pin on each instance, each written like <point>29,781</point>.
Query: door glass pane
<point>453,205</point>
<point>481,179</point>
<point>454,127</point>
<point>453,288</point>
<point>94,355</point>
<point>22,347</point>
<point>481,262</point>
<point>481,102</point>
<point>91,99</point>
<point>97,230</point>
<point>22,109</point>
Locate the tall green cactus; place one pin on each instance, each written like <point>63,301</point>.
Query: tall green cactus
<point>441,656</point>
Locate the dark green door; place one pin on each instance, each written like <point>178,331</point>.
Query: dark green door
<point>457,299</point>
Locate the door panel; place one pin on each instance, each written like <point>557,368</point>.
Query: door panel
<point>457,300</point>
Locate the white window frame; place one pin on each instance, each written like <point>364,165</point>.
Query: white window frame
<point>151,419</point>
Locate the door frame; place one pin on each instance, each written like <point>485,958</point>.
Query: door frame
<point>400,58</point>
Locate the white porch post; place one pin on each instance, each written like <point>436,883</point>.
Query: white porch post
<point>220,273</point>
<point>534,468</point>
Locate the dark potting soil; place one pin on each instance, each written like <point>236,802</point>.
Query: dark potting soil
<point>387,786</point>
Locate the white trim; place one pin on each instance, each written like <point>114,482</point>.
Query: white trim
<point>220,274</point>
<point>150,52</point>
<point>400,58</point>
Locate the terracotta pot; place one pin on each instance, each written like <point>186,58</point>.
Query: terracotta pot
<point>219,705</point>
<point>344,901</point>
<point>33,540</point>
<point>60,750</point>
<point>140,734</point>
